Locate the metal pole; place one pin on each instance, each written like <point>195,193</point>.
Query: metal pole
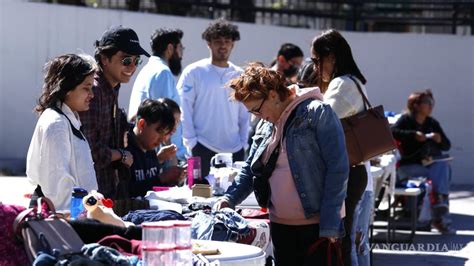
<point>454,20</point>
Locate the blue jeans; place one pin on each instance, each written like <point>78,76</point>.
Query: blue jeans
<point>222,225</point>
<point>438,172</point>
<point>362,214</point>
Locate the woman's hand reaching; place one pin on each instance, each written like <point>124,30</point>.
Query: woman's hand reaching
<point>220,204</point>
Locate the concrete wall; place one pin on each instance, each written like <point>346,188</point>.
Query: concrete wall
<point>394,64</point>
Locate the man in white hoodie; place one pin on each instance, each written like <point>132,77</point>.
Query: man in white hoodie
<point>211,122</point>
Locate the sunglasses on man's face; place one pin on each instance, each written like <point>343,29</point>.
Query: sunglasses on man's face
<point>131,59</point>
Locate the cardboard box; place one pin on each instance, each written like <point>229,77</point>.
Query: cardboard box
<point>202,190</point>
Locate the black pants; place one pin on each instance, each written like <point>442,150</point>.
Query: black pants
<point>206,155</point>
<point>355,188</point>
<point>291,244</point>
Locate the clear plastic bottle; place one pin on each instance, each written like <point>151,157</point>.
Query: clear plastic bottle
<point>76,202</point>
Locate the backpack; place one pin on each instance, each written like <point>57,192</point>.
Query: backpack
<point>47,232</point>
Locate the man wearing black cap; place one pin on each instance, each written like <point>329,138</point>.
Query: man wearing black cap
<point>105,124</point>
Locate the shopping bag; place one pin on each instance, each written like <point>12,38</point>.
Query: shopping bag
<point>367,133</point>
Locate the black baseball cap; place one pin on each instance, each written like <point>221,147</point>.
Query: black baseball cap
<point>124,39</point>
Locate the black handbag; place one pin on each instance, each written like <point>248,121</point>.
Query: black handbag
<point>261,185</point>
<point>367,133</point>
<point>46,232</point>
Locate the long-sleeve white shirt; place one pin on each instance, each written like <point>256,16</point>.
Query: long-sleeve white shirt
<point>209,116</point>
<point>57,160</point>
<point>344,97</point>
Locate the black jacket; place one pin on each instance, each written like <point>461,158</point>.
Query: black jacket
<point>413,151</point>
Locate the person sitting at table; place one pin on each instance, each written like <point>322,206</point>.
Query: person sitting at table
<point>59,157</point>
<point>154,123</point>
<point>421,138</point>
<point>167,153</point>
<point>303,139</point>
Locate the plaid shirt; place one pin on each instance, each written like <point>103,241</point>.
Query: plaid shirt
<point>104,126</point>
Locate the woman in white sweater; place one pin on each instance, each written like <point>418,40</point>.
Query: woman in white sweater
<point>59,157</point>
<point>338,77</point>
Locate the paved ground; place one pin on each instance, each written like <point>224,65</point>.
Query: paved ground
<point>428,248</point>
<point>431,248</point>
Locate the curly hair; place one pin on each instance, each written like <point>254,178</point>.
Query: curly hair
<point>162,37</point>
<point>256,82</point>
<point>63,74</point>
<point>221,28</point>
<point>418,97</point>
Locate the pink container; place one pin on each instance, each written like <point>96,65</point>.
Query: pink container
<point>182,238</point>
<point>159,256</point>
<point>182,234</point>
<point>158,189</point>
<point>194,170</point>
<point>158,234</point>
<point>158,243</point>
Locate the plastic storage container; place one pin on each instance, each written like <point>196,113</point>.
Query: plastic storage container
<point>183,249</point>
<point>158,243</point>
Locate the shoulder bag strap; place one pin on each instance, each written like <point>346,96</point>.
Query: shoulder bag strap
<point>37,193</point>
<point>364,98</point>
<point>75,131</point>
<point>19,221</point>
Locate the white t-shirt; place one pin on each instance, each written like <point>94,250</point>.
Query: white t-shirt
<point>209,116</point>
<point>57,160</point>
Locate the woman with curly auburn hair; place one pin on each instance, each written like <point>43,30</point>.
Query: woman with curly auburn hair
<point>59,157</point>
<point>299,148</point>
<point>421,138</point>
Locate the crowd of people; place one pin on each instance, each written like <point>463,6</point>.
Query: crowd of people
<point>296,160</point>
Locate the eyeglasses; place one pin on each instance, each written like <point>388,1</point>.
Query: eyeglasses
<point>428,101</point>
<point>257,111</point>
<point>131,59</point>
<point>315,60</point>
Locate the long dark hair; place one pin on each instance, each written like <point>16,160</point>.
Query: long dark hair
<point>63,74</point>
<point>332,42</point>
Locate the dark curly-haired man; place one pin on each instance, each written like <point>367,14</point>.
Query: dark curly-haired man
<point>211,123</point>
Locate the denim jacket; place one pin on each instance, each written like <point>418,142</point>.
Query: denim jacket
<point>318,161</point>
